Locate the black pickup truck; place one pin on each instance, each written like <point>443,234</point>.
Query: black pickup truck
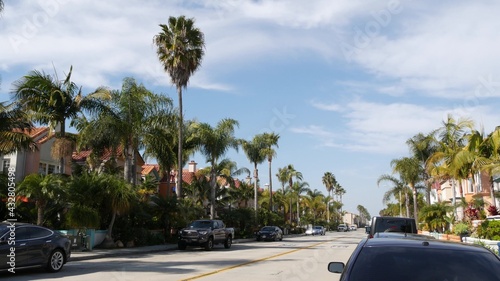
<point>205,233</point>
<point>391,224</point>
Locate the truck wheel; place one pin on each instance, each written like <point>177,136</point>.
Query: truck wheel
<point>228,242</point>
<point>209,244</point>
<point>181,245</point>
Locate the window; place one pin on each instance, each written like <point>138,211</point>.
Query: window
<point>42,168</point>
<point>51,169</point>
<point>37,232</point>
<point>5,165</point>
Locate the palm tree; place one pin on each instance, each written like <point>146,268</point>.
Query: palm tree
<point>297,189</point>
<point>13,127</point>
<point>213,143</point>
<point>446,162</point>
<point>270,140</point>
<point>180,48</point>
<point>329,181</point>
<point>422,147</point>
<point>41,189</point>
<point>398,189</point>
<point>254,151</point>
<point>434,216</point>
<point>134,112</point>
<point>51,101</point>
<point>410,171</point>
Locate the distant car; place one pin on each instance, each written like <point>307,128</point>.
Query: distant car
<point>319,230</point>
<point>24,245</point>
<point>395,259</point>
<point>353,227</point>
<point>270,233</point>
<point>342,227</point>
<point>309,231</point>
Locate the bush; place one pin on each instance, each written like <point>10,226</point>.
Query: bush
<point>461,229</point>
<point>489,230</point>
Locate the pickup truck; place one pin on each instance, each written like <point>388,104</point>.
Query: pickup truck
<point>205,233</point>
<point>391,224</point>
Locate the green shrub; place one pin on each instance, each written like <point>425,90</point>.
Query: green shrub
<point>489,230</point>
<point>461,228</point>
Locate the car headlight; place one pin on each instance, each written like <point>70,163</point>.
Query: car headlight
<point>204,232</point>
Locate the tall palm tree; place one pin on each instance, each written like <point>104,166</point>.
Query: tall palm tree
<point>254,151</point>
<point>14,124</point>
<point>51,101</point>
<point>329,181</point>
<point>213,143</point>
<point>270,140</point>
<point>297,189</point>
<point>410,172</point>
<point>398,190</point>
<point>422,147</point>
<point>446,162</point>
<point>180,49</point>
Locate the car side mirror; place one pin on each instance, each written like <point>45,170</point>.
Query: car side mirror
<point>336,267</point>
<point>367,229</point>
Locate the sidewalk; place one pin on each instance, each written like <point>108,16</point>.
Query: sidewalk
<point>105,253</point>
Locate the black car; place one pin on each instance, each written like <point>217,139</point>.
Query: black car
<point>418,259</point>
<point>25,245</point>
<point>270,233</point>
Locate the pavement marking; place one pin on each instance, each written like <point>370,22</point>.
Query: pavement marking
<point>250,262</point>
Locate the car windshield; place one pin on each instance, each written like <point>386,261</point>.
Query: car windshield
<point>267,228</point>
<point>393,225</point>
<point>423,264</point>
<point>317,227</point>
<point>200,224</point>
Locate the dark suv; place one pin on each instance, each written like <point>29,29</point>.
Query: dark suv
<point>391,224</point>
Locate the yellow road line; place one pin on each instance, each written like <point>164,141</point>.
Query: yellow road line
<point>250,262</point>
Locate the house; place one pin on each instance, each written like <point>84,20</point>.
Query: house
<point>40,161</point>
<point>477,186</point>
<point>107,160</point>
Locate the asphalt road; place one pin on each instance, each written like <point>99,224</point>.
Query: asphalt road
<point>297,258</point>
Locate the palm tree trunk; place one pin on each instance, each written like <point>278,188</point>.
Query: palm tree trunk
<point>407,203</point>
<point>178,189</point>
<point>415,207</point>
<point>62,163</point>
<point>256,178</point>
<point>492,192</point>
<point>212,192</point>
<point>39,217</point>
<point>270,187</point>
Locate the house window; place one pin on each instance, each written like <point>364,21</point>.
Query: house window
<point>51,169</point>
<point>469,184</point>
<point>5,165</point>
<point>42,168</point>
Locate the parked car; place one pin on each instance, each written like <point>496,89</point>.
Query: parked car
<point>319,230</point>
<point>24,245</point>
<point>353,227</point>
<point>270,233</point>
<point>309,231</point>
<point>342,227</point>
<point>395,259</point>
<point>391,224</point>
<point>205,233</point>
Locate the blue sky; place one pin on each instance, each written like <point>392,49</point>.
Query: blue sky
<point>344,83</point>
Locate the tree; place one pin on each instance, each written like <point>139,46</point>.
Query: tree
<point>398,190</point>
<point>41,189</point>
<point>51,101</point>
<point>329,181</point>
<point>446,162</point>
<point>410,171</point>
<point>422,147</point>
<point>180,49</point>
<point>270,140</point>
<point>254,151</point>
<point>213,143</point>
<point>297,189</point>
<point>14,124</point>
<point>133,113</point>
